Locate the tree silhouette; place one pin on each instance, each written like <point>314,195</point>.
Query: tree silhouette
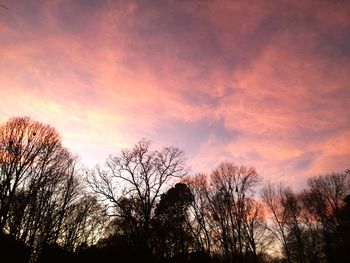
<point>172,235</point>
<point>232,186</point>
<point>141,207</point>
<point>134,181</point>
<point>38,185</point>
<point>328,193</point>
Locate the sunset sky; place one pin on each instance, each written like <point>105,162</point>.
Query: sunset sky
<point>260,83</point>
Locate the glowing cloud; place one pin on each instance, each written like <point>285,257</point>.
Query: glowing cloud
<point>263,83</point>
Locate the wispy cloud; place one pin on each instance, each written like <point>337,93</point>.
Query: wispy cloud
<point>263,83</point>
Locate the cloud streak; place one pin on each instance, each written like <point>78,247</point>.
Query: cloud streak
<point>258,83</point>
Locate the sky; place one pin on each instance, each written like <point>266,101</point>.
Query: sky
<point>259,83</point>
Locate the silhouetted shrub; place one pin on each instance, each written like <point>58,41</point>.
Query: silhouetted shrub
<point>12,250</point>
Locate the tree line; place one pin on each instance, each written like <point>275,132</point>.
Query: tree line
<point>143,205</point>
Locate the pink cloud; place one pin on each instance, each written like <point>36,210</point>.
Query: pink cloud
<point>275,75</point>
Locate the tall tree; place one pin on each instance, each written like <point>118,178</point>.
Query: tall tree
<point>272,197</point>
<point>171,231</point>
<point>39,184</point>
<point>232,188</point>
<point>200,220</point>
<point>328,195</point>
<point>140,175</point>
<point>28,149</point>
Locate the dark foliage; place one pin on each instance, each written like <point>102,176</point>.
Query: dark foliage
<point>12,250</point>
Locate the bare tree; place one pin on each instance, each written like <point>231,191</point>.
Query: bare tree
<point>326,203</point>
<point>39,184</point>
<point>139,174</point>
<point>257,237</point>
<point>232,187</point>
<point>199,220</point>
<point>292,208</point>
<point>272,197</point>
<point>26,147</point>
<point>84,223</point>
